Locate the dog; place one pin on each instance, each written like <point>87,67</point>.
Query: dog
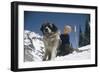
<point>51,39</point>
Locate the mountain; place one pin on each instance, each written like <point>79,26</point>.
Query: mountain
<point>33,46</point>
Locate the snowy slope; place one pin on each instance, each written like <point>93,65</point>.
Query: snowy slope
<point>86,54</point>
<point>34,49</point>
<point>33,46</point>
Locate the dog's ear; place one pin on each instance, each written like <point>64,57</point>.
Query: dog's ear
<point>41,28</point>
<point>54,27</point>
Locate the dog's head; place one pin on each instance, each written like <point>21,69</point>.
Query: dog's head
<point>48,28</point>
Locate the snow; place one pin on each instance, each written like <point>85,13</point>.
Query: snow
<point>85,47</point>
<point>34,49</point>
<point>34,46</point>
<point>86,54</point>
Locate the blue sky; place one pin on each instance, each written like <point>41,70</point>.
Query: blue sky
<point>34,20</point>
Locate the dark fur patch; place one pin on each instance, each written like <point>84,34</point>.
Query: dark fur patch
<point>51,26</point>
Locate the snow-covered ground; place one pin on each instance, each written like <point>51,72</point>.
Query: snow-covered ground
<point>34,49</point>
<point>86,54</point>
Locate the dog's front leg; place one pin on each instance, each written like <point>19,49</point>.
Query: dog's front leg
<point>45,55</point>
<point>53,55</point>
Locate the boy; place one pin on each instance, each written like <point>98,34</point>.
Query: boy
<point>65,47</point>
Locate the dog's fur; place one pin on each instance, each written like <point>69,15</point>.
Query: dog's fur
<point>51,40</point>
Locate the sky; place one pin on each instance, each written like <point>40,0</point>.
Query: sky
<point>34,20</point>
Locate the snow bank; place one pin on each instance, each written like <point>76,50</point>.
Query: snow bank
<point>86,54</point>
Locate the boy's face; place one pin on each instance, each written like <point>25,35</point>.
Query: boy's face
<point>67,30</point>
